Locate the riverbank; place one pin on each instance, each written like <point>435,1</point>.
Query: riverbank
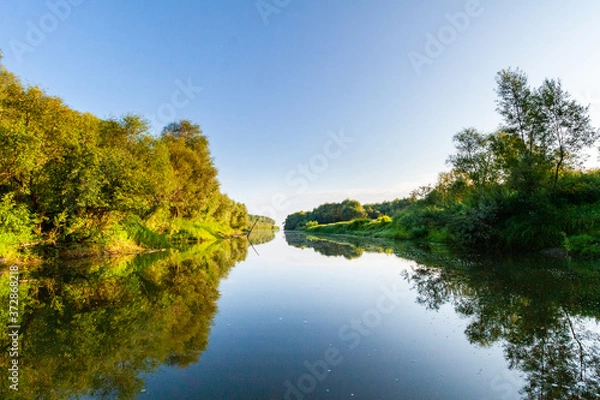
<point>521,188</point>
<point>126,237</point>
<point>79,185</point>
<point>567,228</point>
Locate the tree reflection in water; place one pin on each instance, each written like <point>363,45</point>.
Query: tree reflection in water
<point>545,313</point>
<point>93,327</point>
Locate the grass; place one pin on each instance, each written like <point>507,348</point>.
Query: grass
<point>574,228</point>
<point>198,231</point>
<point>122,236</point>
<point>382,227</point>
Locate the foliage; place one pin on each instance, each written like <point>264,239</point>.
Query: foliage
<point>261,222</point>
<point>70,177</point>
<point>516,188</point>
<point>16,226</point>
<point>584,246</point>
<point>327,213</point>
<point>386,208</point>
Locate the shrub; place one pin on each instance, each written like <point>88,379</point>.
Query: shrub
<point>583,246</point>
<point>16,226</point>
<point>359,223</point>
<point>384,219</point>
<point>475,226</point>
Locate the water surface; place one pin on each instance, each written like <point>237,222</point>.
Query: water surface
<point>389,327</point>
<point>307,317</point>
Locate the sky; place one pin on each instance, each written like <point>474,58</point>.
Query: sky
<point>305,102</point>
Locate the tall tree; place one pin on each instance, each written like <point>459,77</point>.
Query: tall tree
<point>515,105</point>
<point>563,124</point>
<point>194,169</point>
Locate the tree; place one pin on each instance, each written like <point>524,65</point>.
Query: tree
<point>352,209</point>
<point>550,128</point>
<point>194,169</point>
<point>515,105</point>
<point>474,157</point>
<point>563,124</point>
<point>296,220</point>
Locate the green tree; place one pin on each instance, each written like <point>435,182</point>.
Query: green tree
<point>564,125</point>
<point>195,173</point>
<point>352,209</point>
<point>550,128</point>
<point>474,157</point>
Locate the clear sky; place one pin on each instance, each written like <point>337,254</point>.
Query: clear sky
<point>272,81</point>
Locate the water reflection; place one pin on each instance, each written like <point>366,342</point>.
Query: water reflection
<point>92,327</point>
<point>261,236</point>
<point>545,313</point>
<point>324,246</point>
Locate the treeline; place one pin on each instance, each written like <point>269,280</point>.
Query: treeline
<point>68,176</point>
<point>347,210</point>
<point>519,187</point>
<point>260,222</point>
<point>389,208</point>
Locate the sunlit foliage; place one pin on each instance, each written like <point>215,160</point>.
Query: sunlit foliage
<point>68,177</point>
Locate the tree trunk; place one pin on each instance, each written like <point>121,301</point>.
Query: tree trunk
<point>558,165</point>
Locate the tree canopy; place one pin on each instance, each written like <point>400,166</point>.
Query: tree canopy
<point>67,175</point>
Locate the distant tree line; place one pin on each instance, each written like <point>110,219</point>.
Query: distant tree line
<point>347,210</point>
<point>261,222</point>
<point>389,208</point>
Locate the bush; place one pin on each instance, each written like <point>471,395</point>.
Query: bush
<point>359,223</point>
<point>475,226</point>
<point>16,226</point>
<point>578,188</point>
<point>585,246</point>
<point>384,219</point>
<point>419,219</point>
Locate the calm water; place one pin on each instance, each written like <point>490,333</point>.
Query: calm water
<point>318,318</point>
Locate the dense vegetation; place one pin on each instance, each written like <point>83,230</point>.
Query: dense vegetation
<point>521,187</point>
<point>71,177</point>
<point>260,222</point>
<point>347,210</point>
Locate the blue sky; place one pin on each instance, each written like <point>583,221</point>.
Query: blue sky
<point>271,81</point>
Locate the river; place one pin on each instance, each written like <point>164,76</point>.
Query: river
<point>304,317</point>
